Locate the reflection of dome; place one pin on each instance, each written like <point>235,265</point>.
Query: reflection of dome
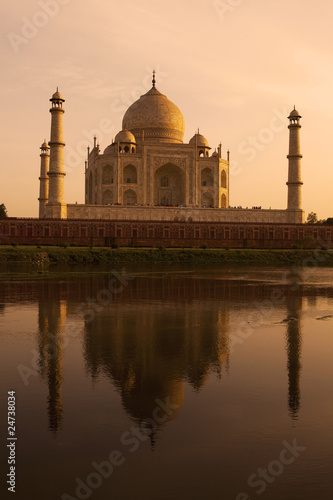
<point>147,394</point>
<point>125,136</point>
<point>201,141</point>
<point>156,116</point>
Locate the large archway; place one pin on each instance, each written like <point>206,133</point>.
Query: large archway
<point>169,184</point>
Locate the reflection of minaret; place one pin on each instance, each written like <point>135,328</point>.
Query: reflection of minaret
<point>294,347</point>
<point>52,314</point>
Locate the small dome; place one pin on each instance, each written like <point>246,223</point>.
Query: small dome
<point>44,145</point>
<point>200,140</point>
<point>110,149</point>
<point>57,96</point>
<point>125,136</point>
<point>294,113</point>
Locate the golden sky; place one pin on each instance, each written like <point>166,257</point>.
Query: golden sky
<point>235,68</point>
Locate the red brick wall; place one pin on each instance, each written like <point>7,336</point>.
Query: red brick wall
<point>178,234</point>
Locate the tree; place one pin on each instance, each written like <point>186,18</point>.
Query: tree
<point>3,211</point>
<point>329,220</point>
<point>312,218</point>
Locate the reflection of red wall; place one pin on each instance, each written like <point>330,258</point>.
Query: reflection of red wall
<point>168,234</point>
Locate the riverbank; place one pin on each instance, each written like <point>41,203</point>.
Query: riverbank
<point>98,255</point>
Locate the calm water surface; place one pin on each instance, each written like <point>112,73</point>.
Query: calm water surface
<point>162,383</point>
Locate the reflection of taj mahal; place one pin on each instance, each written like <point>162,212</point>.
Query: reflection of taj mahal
<point>148,172</point>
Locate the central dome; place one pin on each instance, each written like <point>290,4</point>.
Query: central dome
<point>157,117</point>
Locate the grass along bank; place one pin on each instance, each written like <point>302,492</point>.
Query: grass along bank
<point>100,255</point>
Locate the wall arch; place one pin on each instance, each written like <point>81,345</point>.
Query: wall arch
<point>107,197</point>
<point>129,197</point>
<point>107,177</point>
<point>223,201</point>
<point>90,199</point>
<point>223,179</point>
<point>207,177</point>
<point>207,200</point>
<point>130,174</point>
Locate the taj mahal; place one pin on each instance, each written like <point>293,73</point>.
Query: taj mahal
<point>149,173</point>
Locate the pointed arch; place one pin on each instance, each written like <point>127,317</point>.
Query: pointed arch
<point>107,197</point>
<point>107,177</point>
<point>130,174</point>
<point>130,197</point>
<point>223,179</point>
<point>207,177</point>
<point>207,200</point>
<point>169,185</point>
<point>223,201</point>
<point>90,199</point>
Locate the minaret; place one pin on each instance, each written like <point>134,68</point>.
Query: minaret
<point>294,169</point>
<point>56,208</point>
<point>44,180</point>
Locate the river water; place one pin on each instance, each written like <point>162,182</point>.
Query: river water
<point>168,382</point>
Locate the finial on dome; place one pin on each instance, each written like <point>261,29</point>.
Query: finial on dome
<point>154,81</point>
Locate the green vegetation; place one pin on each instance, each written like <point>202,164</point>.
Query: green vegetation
<point>3,211</point>
<point>313,219</point>
<point>98,255</point>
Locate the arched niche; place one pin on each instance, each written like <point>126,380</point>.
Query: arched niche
<point>107,197</point>
<point>207,177</point>
<point>223,179</point>
<point>130,174</point>
<point>107,177</point>
<point>130,197</point>
<point>207,200</point>
<point>223,201</point>
<point>169,184</point>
